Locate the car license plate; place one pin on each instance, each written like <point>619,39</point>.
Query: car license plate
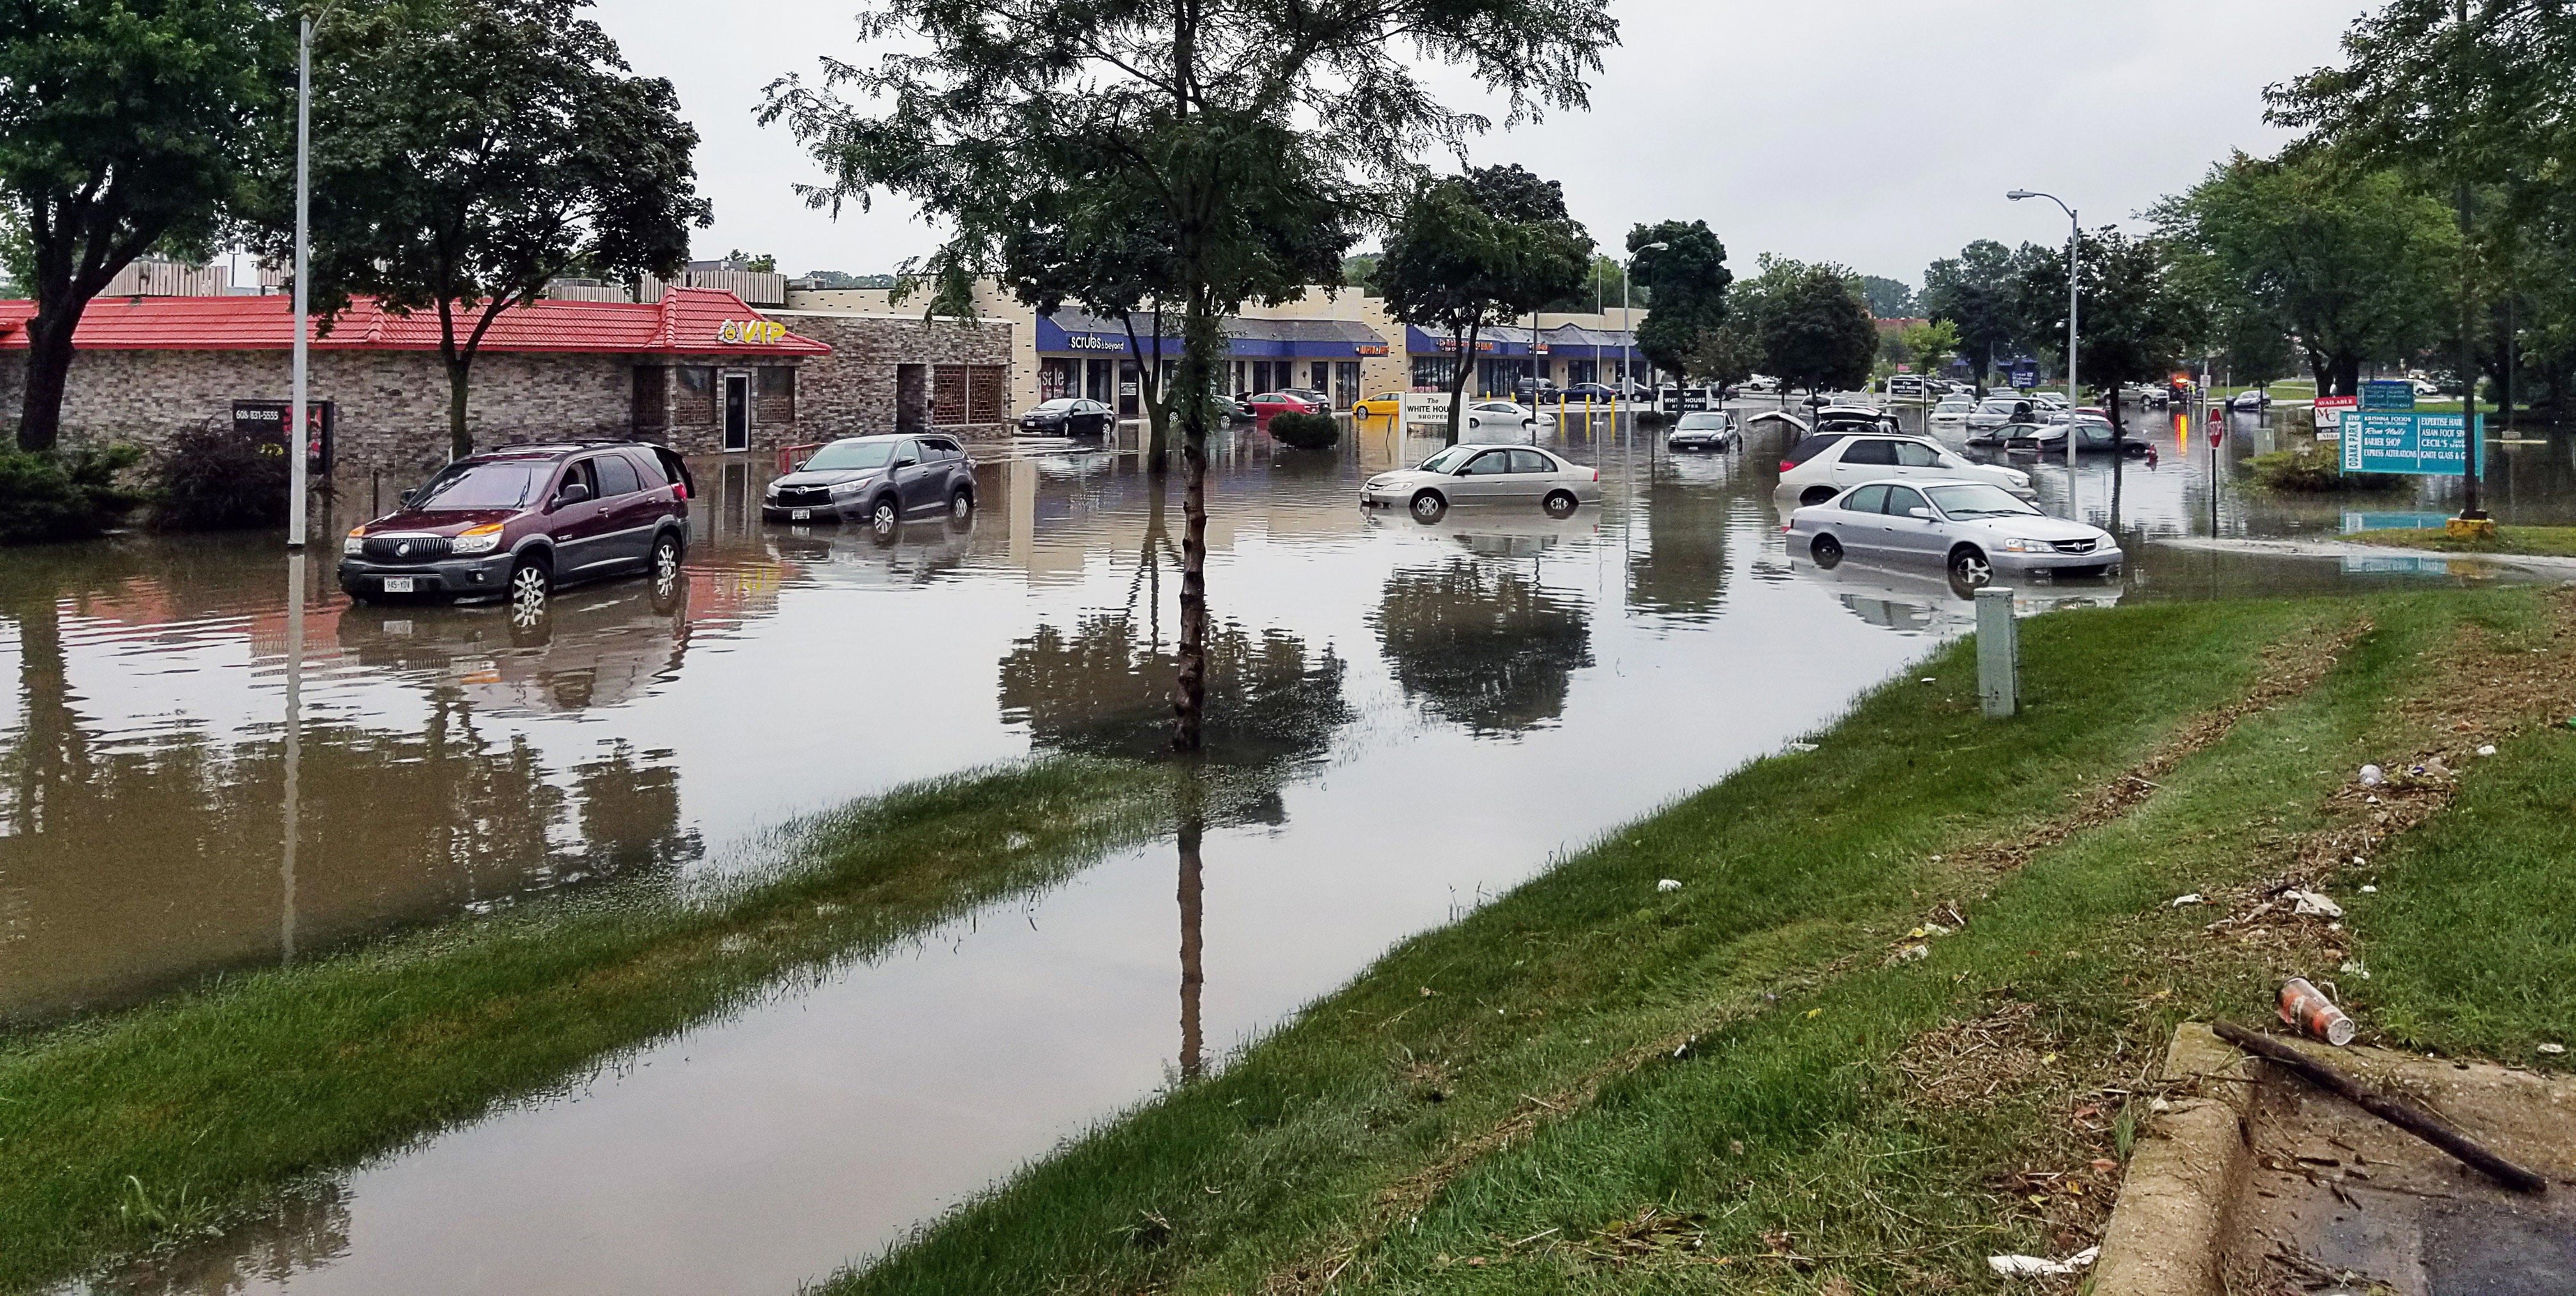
<point>398,584</point>
<point>800,515</point>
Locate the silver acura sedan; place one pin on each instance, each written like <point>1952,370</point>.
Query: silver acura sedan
<point>1480,474</point>
<point>1972,528</point>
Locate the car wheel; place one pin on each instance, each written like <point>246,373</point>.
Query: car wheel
<point>1560,504</point>
<point>883,516</point>
<point>1428,506</point>
<point>1969,567</point>
<point>961,504</point>
<point>532,588</point>
<point>665,565</point>
<point>1827,551</point>
<point>1816,495</point>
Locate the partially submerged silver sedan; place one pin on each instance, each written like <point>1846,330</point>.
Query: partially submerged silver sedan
<point>1974,529</point>
<point>1483,474</point>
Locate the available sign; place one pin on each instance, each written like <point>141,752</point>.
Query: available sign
<point>2330,412</point>
<point>2410,443</point>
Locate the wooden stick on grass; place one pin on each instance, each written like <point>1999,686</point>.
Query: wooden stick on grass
<point>2402,1114</point>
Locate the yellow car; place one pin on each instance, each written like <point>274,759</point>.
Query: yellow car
<point>1388,406</point>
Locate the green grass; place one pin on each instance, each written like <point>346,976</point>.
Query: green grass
<point>1787,1124</point>
<point>2542,541</point>
<point>137,1127</point>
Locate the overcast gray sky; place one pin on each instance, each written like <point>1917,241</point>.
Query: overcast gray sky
<point>1877,133</point>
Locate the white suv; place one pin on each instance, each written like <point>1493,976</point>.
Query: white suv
<point>1829,463</point>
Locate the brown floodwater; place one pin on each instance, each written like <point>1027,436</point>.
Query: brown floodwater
<point>203,770</point>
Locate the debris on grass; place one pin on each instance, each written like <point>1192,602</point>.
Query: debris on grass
<point>1667,886</point>
<point>2022,1266</point>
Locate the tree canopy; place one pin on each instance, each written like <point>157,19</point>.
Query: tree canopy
<point>125,126</point>
<point>1477,251</point>
<point>1689,276</point>
<point>2134,326</point>
<point>467,152</point>
<point>2355,265</point>
<point>1889,298</point>
<point>1233,119</point>
<point>1814,329</point>
<point>1977,291</point>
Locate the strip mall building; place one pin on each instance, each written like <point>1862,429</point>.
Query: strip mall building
<point>701,370</point>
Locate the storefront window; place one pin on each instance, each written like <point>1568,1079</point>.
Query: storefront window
<point>1055,379</point>
<point>1434,371</point>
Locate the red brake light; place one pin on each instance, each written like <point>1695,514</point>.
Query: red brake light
<point>1786,465</point>
<point>680,491</point>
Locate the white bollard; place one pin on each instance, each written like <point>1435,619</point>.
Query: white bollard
<point>1998,653</point>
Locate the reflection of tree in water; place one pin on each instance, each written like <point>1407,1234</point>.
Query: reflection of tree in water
<point>1104,690</point>
<point>1483,646</point>
<point>1681,573</point>
<point>126,865</point>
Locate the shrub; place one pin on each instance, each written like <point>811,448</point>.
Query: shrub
<point>1306,431</point>
<point>64,494</point>
<point>1653,418</point>
<point>213,478</point>
<point>2311,471</point>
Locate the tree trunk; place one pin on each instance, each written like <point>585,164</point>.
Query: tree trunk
<point>460,442</point>
<point>2347,376</point>
<point>49,371</point>
<point>1458,378</point>
<point>1203,340</point>
<point>1193,890</point>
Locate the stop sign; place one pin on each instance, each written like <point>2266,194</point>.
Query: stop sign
<point>2217,434</point>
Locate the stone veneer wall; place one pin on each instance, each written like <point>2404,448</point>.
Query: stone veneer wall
<point>851,392</point>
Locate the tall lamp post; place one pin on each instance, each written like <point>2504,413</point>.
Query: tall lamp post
<point>1628,323</point>
<point>2074,251</point>
<point>298,440</point>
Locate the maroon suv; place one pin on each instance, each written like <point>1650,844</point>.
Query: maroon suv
<point>522,520</point>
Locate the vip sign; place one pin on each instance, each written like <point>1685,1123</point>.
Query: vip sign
<point>750,332</point>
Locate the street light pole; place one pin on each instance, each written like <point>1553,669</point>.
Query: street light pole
<point>1627,326</point>
<point>2074,252</point>
<point>296,485</point>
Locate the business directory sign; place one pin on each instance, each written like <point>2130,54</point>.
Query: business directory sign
<point>2380,442</point>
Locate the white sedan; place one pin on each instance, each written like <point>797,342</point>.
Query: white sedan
<point>1495,415</point>
<point>1483,474</point>
<point>1970,528</point>
<point>1826,464</point>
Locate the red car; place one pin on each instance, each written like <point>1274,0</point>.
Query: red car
<point>1269,403</point>
<point>519,521</point>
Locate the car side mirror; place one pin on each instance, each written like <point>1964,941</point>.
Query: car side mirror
<point>907,463</point>
<point>405,497</point>
<point>572,493</point>
<point>1923,513</point>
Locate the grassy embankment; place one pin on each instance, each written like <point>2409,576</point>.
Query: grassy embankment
<point>1756,1083</point>
<point>2531,541</point>
<point>142,1126</point>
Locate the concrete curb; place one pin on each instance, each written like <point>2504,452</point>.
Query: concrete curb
<point>2537,563</point>
<point>2165,1231</point>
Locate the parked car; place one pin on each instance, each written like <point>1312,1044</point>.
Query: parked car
<point>1540,391</point>
<point>1242,403</point>
<point>1068,416</point>
<point>1855,418</point>
<point>1761,385</point>
<point>2150,396</point>
<point>2425,388</point>
<point>521,521</point>
<point>1971,528</point>
<point>1385,405</point>
<point>1322,401</point>
<point>1828,463</point>
<point>1481,474</point>
<point>880,479</point>
<point>2252,398</point>
<point>1999,410</point>
<point>1487,415</point>
<point>1707,430</point>
<point>1268,404</point>
<point>2092,436</point>
<point>1597,393</point>
<point>1953,409</point>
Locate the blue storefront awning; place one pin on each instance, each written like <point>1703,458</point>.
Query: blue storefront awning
<point>1072,333</point>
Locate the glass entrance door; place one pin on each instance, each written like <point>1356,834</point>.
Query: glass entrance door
<point>737,411</point>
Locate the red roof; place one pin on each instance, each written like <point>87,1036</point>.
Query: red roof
<point>687,321</point>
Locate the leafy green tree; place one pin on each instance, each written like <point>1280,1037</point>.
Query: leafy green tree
<point>125,126</point>
<point>2354,265</point>
<point>1929,346</point>
<point>1814,329</point>
<point>467,152</point>
<point>2134,326</point>
<point>1726,355</point>
<point>1976,290</point>
<point>1690,279</point>
<point>761,264</point>
<point>1889,298</point>
<point>1359,270</point>
<point>1239,118</point>
<point>1602,290</point>
<point>1476,252</point>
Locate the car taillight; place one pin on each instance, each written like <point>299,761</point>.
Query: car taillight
<point>680,491</point>
<point>1787,464</point>
<point>1596,474</point>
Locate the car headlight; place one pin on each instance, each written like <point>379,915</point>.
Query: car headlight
<point>478,540</point>
<point>354,544</point>
<point>2018,545</point>
<point>844,490</point>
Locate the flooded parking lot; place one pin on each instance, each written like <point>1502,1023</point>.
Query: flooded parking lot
<point>204,771</point>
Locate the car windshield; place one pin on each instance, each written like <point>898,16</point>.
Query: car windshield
<point>2001,406</point>
<point>507,483</point>
<point>845,456</point>
<point>1694,421</point>
<point>1449,459</point>
<point>1056,406</point>
<point>1979,501</point>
